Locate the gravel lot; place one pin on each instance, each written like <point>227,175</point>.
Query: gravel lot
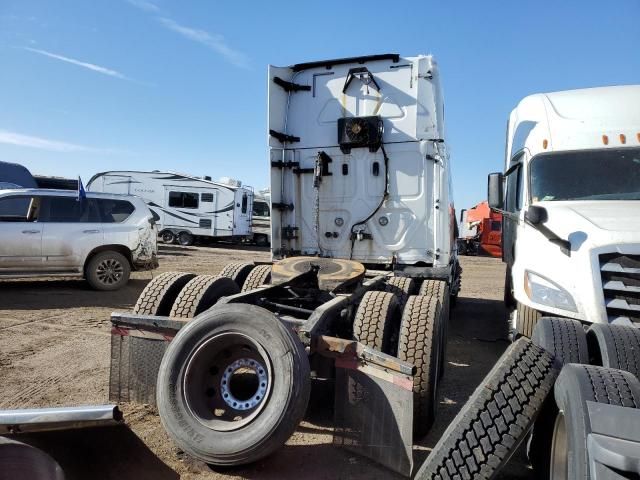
<point>54,350</point>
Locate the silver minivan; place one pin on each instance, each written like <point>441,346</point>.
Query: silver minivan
<point>100,237</point>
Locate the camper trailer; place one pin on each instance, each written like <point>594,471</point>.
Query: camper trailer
<point>261,219</point>
<point>185,207</point>
<point>13,175</point>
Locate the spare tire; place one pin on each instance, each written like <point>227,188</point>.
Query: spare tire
<point>566,340</point>
<point>202,293</point>
<point>23,461</point>
<point>158,296</point>
<point>495,419</point>
<point>237,271</point>
<point>577,385</point>
<point>259,275</point>
<point>233,385</point>
<point>615,346</point>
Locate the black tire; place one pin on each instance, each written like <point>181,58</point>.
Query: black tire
<point>496,418</point>
<point>237,271</point>
<point>440,290</point>
<point>577,385</point>
<point>167,236</point>
<point>527,319</point>
<point>159,295</point>
<point>185,239</point>
<point>259,275</point>
<point>376,323</point>
<point>200,294</point>
<point>23,461</point>
<point>419,344</point>
<point>402,287</point>
<point>107,271</point>
<point>188,410</point>
<point>615,346</point>
<point>566,340</point>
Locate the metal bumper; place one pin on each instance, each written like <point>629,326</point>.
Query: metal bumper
<point>60,418</point>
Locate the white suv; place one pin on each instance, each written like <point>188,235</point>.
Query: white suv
<point>101,237</point>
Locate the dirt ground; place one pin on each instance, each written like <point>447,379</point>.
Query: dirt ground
<point>54,351</point>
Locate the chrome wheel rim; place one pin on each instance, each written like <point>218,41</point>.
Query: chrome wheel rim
<point>559,467</point>
<point>109,271</point>
<point>227,381</point>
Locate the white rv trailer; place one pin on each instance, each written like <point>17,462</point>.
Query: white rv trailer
<point>186,207</point>
<point>571,235</point>
<point>261,219</point>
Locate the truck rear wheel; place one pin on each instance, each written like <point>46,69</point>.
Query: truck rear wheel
<point>233,385</point>
<point>615,346</point>
<point>440,290</point>
<point>377,321</point>
<point>577,385</point>
<point>495,419</point>
<point>402,287</point>
<point>527,318</point>
<point>419,344</point>
<point>158,296</point>
<point>566,340</point>
<point>237,271</point>
<point>259,275</point>
<point>202,293</point>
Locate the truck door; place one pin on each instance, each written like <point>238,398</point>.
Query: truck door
<point>513,206</point>
<point>242,212</point>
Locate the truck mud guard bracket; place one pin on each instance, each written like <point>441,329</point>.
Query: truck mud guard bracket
<point>283,137</point>
<point>363,74</point>
<point>290,86</point>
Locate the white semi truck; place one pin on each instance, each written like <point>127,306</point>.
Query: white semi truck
<point>357,295</point>
<point>570,196</point>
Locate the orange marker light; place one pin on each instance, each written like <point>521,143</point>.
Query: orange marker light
<point>638,136</point>
<point>545,143</point>
<point>623,139</point>
<point>605,139</point>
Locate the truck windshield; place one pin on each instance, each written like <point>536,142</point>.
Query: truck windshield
<point>586,175</point>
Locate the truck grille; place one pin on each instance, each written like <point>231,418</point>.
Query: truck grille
<point>621,284</point>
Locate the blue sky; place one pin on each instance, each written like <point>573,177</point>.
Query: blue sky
<point>88,86</point>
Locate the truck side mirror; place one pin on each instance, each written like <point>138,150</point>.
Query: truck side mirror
<point>462,214</point>
<point>496,190</point>
<point>536,215</point>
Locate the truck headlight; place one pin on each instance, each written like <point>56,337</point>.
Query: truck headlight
<point>545,292</point>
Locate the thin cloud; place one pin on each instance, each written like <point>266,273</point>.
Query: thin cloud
<point>20,140</point>
<point>90,66</point>
<point>215,42</point>
<point>144,5</point>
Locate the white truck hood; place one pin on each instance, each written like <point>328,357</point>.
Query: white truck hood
<point>598,222</point>
<point>593,228</point>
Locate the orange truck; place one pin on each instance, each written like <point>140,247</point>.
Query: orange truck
<point>480,231</point>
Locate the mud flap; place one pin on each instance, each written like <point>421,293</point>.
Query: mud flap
<point>138,343</point>
<point>374,413</point>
